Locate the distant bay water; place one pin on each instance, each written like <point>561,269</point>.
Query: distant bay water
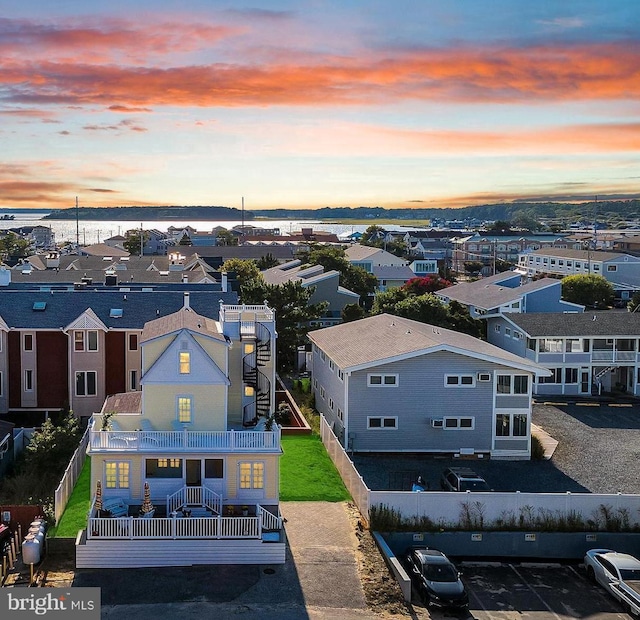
<point>96,231</point>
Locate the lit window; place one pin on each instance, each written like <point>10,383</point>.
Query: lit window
<point>252,475</point>
<point>117,475</point>
<point>249,347</point>
<point>185,362</point>
<point>184,409</point>
<point>249,391</point>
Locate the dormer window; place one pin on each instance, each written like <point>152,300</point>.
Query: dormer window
<point>185,362</point>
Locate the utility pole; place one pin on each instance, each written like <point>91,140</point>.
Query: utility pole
<point>141,240</point>
<point>77,225</point>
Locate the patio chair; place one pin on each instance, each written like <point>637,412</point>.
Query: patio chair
<point>149,515</point>
<point>146,425</point>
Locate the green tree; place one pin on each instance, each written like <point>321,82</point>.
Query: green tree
<point>294,313</point>
<point>225,237</point>
<point>424,308</point>
<point>373,235</point>
<point>267,261</point>
<point>473,266</point>
<point>634,303</point>
<point>386,301</point>
<point>354,278</point>
<point>14,245</point>
<point>352,312</point>
<point>588,290</point>
<point>246,270</point>
<point>132,240</point>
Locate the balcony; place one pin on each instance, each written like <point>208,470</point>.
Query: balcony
<point>184,441</point>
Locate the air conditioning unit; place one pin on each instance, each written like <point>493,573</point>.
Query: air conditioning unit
<point>437,422</point>
<point>484,376</point>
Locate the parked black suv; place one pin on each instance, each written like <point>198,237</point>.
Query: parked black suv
<point>462,479</point>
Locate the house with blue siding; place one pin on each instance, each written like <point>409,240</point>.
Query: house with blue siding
<point>585,353</point>
<point>390,384</point>
<point>508,292</point>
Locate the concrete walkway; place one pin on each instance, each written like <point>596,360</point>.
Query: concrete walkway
<point>323,543</point>
<point>549,444</point>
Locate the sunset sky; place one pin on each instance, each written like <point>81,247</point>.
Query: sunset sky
<point>314,103</point>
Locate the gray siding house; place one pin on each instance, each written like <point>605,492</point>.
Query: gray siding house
<point>389,384</point>
<point>586,353</point>
<point>508,292</point>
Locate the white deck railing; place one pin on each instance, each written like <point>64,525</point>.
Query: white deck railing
<point>268,519</point>
<point>168,528</point>
<point>194,496</point>
<point>204,441</point>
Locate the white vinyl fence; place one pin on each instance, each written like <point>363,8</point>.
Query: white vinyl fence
<point>478,509</point>
<point>70,477</point>
<point>350,476</point>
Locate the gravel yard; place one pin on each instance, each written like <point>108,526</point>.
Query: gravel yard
<point>598,452</point>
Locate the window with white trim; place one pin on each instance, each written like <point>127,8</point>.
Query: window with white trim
<point>459,423</point>
<point>323,356</point>
<point>133,380</point>
<point>512,384</point>
<point>375,380</point>
<point>340,375</point>
<point>507,332</point>
<point>612,267</point>
<point>1,384</point>
<point>184,412</point>
<point>550,345</point>
<point>86,340</point>
<point>117,474</point>
<point>340,414</point>
<point>459,381</point>
<point>133,342</point>
<point>322,393</point>
<point>86,383</point>
<point>382,423</point>
<point>511,425</point>
<point>556,376</point>
<point>28,342</point>
<point>331,404</point>
<point>28,380</point>
<point>251,475</point>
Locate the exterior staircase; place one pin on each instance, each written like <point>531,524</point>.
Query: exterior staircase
<point>253,377</point>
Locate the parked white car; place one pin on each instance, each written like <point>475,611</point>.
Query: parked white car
<point>618,573</point>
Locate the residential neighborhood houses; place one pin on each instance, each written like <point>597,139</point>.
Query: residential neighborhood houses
<point>174,376</point>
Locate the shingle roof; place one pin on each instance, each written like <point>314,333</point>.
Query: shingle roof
<point>381,337</point>
<point>577,325</point>
<point>185,318</point>
<point>126,402</point>
<point>63,307</point>
<point>393,272</point>
<point>360,252</point>
<point>483,294</point>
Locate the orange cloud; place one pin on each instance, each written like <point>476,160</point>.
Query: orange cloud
<point>550,73</point>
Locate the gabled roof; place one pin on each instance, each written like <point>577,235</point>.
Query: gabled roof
<point>385,338</point>
<point>102,249</point>
<point>185,318</point>
<point>357,252</point>
<point>605,323</point>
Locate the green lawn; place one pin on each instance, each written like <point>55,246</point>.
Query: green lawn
<point>307,473</point>
<point>75,514</point>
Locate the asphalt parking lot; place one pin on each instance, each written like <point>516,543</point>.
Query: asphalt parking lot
<point>532,592</point>
<point>598,452</point>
